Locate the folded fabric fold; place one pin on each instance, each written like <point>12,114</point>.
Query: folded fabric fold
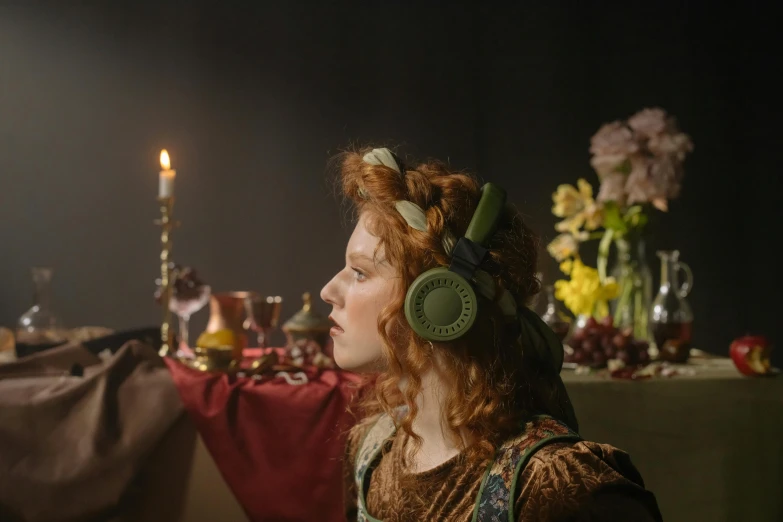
<point>72,444</point>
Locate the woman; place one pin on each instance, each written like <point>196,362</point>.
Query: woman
<point>467,418</point>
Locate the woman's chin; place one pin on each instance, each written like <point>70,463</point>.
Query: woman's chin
<point>351,363</point>
<point>342,359</point>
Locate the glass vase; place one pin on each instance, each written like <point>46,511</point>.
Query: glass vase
<point>631,309</point>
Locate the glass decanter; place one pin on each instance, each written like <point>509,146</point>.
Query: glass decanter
<point>554,315</point>
<point>39,327</point>
<point>671,319</point>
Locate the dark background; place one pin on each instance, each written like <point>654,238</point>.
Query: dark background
<point>251,101</point>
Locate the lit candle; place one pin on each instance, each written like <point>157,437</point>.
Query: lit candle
<point>167,175</point>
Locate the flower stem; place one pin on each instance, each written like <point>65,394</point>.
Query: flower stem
<point>624,300</point>
<point>639,320</point>
<point>603,254</point>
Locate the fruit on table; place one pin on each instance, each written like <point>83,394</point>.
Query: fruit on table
<point>750,354</point>
<point>598,342</point>
<point>225,339</point>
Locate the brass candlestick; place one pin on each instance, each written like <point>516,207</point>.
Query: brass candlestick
<point>166,224</point>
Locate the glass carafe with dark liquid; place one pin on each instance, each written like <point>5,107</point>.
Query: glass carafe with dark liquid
<point>671,319</point>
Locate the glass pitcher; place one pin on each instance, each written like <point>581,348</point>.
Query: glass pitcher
<point>671,318</point>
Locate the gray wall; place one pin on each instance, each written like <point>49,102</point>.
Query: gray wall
<point>252,101</point>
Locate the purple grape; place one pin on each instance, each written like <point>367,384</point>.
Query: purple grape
<point>624,356</point>
<point>594,331</point>
<point>589,345</point>
<point>578,335</point>
<point>641,345</point>
<point>599,358</point>
<point>621,341</point>
<point>579,357</point>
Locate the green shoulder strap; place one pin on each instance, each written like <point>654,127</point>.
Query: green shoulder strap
<point>495,502</point>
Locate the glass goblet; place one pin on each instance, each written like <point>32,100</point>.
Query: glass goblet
<point>263,316</point>
<point>183,306</point>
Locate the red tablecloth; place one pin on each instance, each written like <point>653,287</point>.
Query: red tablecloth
<point>278,446</point>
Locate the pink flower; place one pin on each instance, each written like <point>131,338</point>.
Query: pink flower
<point>655,181</point>
<point>649,122</point>
<point>613,139</point>
<point>640,188</point>
<point>613,188</point>
<point>677,145</point>
<point>607,164</point>
<point>667,173</point>
<point>640,161</point>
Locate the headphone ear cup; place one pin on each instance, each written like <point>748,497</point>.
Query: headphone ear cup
<point>441,305</point>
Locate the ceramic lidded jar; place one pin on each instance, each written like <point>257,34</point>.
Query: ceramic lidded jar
<point>307,325</point>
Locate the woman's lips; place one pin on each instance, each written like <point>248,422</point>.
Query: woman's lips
<point>336,329</point>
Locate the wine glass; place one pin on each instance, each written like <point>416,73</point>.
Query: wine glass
<point>263,315</point>
<point>183,308</point>
<point>189,295</point>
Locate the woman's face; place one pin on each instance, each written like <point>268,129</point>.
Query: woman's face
<point>358,293</point>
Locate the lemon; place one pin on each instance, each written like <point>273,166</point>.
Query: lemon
<point>225,339</point>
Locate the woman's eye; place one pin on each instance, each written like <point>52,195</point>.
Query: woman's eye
<point>359,275</point>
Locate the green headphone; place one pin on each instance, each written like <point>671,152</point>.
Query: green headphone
<point>441,303</point>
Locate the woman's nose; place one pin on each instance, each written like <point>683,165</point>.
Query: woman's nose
<point>329,292</point>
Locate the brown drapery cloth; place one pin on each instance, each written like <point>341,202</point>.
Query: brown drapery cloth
<point>71,445</point>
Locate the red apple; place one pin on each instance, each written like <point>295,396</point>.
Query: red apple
<point>750,354</point>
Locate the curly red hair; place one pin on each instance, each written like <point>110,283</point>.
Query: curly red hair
<point>495,382</point>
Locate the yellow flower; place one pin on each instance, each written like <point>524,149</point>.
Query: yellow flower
<point>584,293</point>
<point>567,200</point>
<point>563,246</point>
<point>577,207</point>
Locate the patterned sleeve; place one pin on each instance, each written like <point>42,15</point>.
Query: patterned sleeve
<point>583,482</point>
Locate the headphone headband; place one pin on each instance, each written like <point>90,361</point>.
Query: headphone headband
<point>470,250</point>
<point>485,219</point>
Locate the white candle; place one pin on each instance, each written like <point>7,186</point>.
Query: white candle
<point>167,176</point>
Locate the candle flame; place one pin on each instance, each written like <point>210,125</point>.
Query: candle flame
<point>165,163</point>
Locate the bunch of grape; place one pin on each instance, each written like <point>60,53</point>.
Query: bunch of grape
<point>185,282</point>
<point>598,342</point>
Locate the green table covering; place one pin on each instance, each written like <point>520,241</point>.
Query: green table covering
<point>709,444</point>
